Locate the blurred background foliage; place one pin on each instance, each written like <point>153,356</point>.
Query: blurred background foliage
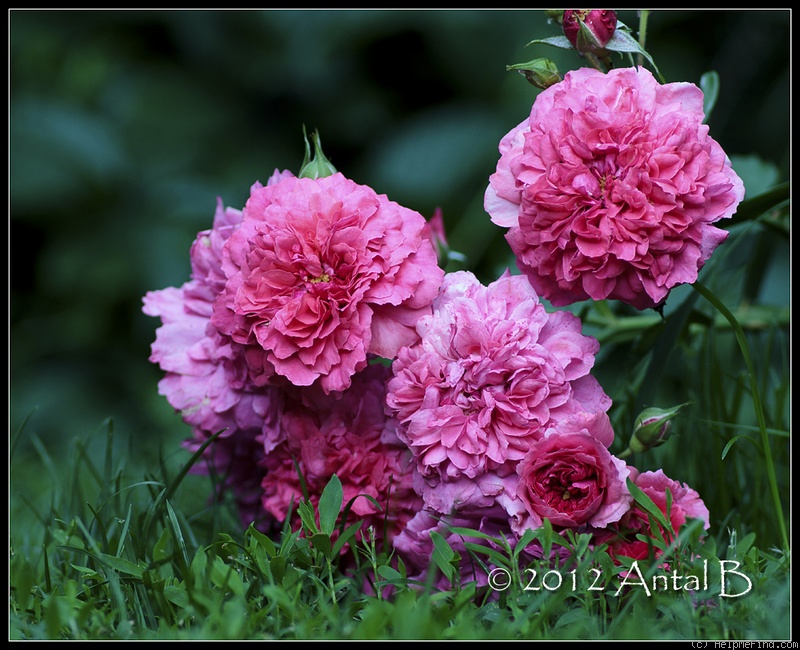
<point>125,127</point>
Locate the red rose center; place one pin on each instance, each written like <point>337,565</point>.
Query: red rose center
<point>562,491</point>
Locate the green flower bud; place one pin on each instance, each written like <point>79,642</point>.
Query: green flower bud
<point>318,166</point>
<point>651,429</point>
<point>542,73</point>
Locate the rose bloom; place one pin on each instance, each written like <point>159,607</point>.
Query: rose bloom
<point>206,377</point>
<point>491,371</point>
<point>686,504</point>
<point>321,273</point>
<point>570,478</point>
<point>350,435</point>
<point>611,187</point>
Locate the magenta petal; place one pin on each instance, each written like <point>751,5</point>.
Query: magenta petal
<point>610,188</point>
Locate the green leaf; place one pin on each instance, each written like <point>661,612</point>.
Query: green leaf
<point>160,553</point>
<point>646,503</point>
<point>330,504</point>
<point>169,491</point>
<point>499,559</point>
<point>225,577</point>
<point>122,565</point>
<point>307,516</point>
<point>733,440</point>
<point>199,566</point>
<point>757,206</point>
<point>322,542</point>
<point>262,540</point>
<point>177,595</point>
<point>623,42</point>
<point>108,465</point>
<point>744,544</point>
<point>277,565</point>
<point>18,434</point>
<point>389,573</point>
<point>124,533</point>
<point>22,577</point>
<point>443,555</point>
<point>758,404</point>
<point>469,532</point>
<point>758,175</point>
<point>527,537</point>
<point>345,537</point>
<point>556,41</point>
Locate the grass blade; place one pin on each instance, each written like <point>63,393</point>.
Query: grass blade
<point>757,404</point>
<point>18,434</point>
<point>178,536</point>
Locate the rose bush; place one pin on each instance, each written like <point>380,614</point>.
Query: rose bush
<point>321,336</point>
<point>610,188</point>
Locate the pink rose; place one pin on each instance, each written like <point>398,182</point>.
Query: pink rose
<point>610,188</point>
<point>570,478</point>
<point>205,375</point>
<point>491,371</point>
<point>464,496</point>
<point>347,434</point>
<point>686,504</point>
<point>321,273</point>
<point>206,379</point>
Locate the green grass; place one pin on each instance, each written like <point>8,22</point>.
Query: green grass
<point>111,557</point>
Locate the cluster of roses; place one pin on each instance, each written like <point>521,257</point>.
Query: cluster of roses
<point>321,335</point>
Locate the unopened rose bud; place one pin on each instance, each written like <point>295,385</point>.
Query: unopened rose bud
<point>542,73</point>
<point>589,29</point>
<point>651,429</point>
<point>318,166</point>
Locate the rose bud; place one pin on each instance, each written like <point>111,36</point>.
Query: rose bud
<point>542,73</point>
<point>589,29</point>
<point>318,166</point>
<point>651,429</point>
